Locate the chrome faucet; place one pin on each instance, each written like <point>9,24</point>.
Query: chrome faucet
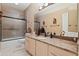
<point>62,33</point>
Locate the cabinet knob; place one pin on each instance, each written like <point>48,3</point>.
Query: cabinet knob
<point>53,54</point>
<point>76,25</point>
<point>69,25</point>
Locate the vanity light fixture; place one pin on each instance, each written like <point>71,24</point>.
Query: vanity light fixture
<point>16,3</point>
<point>44,5</point>
<point>40,8</point>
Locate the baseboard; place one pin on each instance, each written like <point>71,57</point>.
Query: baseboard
<point>29,53</point>
<point>10,39</point>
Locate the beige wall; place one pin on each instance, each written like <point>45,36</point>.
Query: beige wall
<point>30,13</point>
<point>0,7</point>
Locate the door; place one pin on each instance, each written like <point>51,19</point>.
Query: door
<point>36,26</point>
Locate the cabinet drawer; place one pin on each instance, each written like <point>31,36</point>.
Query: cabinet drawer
<point>41,48</point>
<point>59,52</point>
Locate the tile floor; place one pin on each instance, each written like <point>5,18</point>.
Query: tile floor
<point>13,48</point>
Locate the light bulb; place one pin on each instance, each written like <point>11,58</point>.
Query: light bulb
<point>45,4</point>
<point>16,3</point>
<point>40,7</point>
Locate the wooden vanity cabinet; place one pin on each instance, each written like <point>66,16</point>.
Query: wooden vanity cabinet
<point>78,50</point>
<point>41,49</point>
<point>54,51</point>
<point>30,46</point>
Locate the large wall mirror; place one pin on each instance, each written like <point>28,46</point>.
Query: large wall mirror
<point>61,19</point>
<point>70,21</point>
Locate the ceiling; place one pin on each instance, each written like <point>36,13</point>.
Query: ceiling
<point>19,6</point>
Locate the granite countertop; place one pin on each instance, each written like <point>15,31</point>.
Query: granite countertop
<point>64,44</point>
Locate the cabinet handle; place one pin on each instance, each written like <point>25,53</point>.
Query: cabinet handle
<point>69,25</point>
<point>76,25</point>
<point>58,25</point>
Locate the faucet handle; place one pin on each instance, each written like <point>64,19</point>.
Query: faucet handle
<point>62,33</point>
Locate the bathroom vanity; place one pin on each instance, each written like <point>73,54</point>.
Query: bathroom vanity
<point>64,19</point>
<point>46,46</point>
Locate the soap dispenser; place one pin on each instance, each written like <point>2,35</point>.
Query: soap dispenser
<point>51,35</point>
<point>54,33</point>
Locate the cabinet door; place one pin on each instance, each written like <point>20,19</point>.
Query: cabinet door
<point>53,51</point>
<point>26,44</point>
<point>41,48</point>
<point>30,46</point>
<point>72,22</point>
<point>78,50</point>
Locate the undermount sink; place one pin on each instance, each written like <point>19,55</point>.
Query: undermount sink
<point>41,37</point>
